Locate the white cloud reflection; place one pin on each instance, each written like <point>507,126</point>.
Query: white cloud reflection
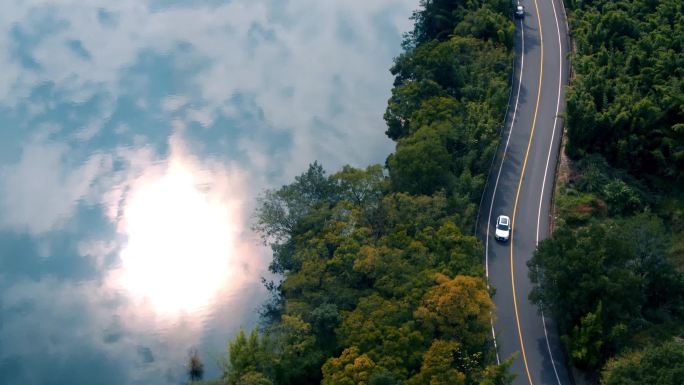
<point>42,189</point>
<point>101,101</point>
<point>184,221</point>
<point>316,69</point>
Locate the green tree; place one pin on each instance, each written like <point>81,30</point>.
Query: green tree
<point>279,212</point>
<point>324,319</point>
<point>437,19</point>
<point>298,357</point>
<point>408,214</point>
<point>385,330</point>
<point>487,24</point>
<point>498,374</point>
<point>363,188</point>
<point>621,198</point>
<point>657,365</point>
<point>459,309</point>
<point>248,355</point>
<point>604,281</point>
<point>351,368</point>
<point>438,366</point>
<point>254,378</point>
<point>625,100</point>
<point>585,342</point>
<point>383,377</point>
<point>406,101</point>
<point>421,164</point>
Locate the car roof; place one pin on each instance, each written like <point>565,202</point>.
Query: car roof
<point>503,219</point>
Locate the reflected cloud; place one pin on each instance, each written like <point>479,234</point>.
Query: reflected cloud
<point>42,190</point>
<point>133,139</point>
<point>182,220</point>
<point>184,258</point>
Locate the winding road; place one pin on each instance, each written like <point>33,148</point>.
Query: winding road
<point>520,185</point>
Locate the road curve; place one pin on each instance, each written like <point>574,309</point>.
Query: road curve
<point>520,185</point>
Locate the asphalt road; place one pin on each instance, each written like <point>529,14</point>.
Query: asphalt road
<point>520,186</point>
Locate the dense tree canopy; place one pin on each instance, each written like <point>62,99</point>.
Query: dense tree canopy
<point>458,309</point>
<point>446,112</point>
<point>450,90</point>
<point>350,368</point>
<point>439,19</point>
<point>372,279</point>
<point>627,100</point>
<point>657,365</point>
<point>606,281</point>
<point>381,280</point>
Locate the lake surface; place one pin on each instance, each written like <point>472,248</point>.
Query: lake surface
<point>134,138</point>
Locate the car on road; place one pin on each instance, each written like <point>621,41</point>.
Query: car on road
<point>519,12</point>
<point>503,228</point>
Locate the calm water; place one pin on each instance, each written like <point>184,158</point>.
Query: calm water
<point>133,139</point>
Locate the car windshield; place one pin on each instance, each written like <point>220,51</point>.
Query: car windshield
<point>502,226</point>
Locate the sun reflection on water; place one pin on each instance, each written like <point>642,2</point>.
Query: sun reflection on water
<point>181,242</point>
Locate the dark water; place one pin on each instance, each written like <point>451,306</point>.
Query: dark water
<point>133,139</point>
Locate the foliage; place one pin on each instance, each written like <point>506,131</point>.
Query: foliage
<point>621,198</point>
<point>438,365</point>
<point>445,113</point>
<point>446,363</point>
<point>351,368</point>
<point>658,365</point>
<point>286,354</point>
<point>606,281</point>
<point>577,208</point>
<point>421,164</point>
<point>498,374</point>
<point>254,378</point>
<point>586,340</point>
<point>626,101</point>
<point>437,19</point>
<point>361,274</point>
<point>248,356</point>
<point>458,309</point>
<point>297,356</point>
<point>386,331</point>
<point>279,211</point>
<point>450,90</point>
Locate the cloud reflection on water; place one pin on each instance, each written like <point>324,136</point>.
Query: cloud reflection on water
<point>178,253</point>
<point>99,98</point>
<point>182,221</point>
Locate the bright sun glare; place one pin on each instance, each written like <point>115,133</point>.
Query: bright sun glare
<point>180,243</point>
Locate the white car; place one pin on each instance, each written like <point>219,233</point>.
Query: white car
<point>503,228</point>
<point>519,12</point>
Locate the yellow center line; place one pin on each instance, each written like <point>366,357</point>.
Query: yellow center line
<point>517,195</point>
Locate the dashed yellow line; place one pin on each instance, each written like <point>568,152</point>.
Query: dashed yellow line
<point>517,195</point>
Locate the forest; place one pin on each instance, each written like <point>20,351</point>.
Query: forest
<point>612,274</point>
<point>382,277</point>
